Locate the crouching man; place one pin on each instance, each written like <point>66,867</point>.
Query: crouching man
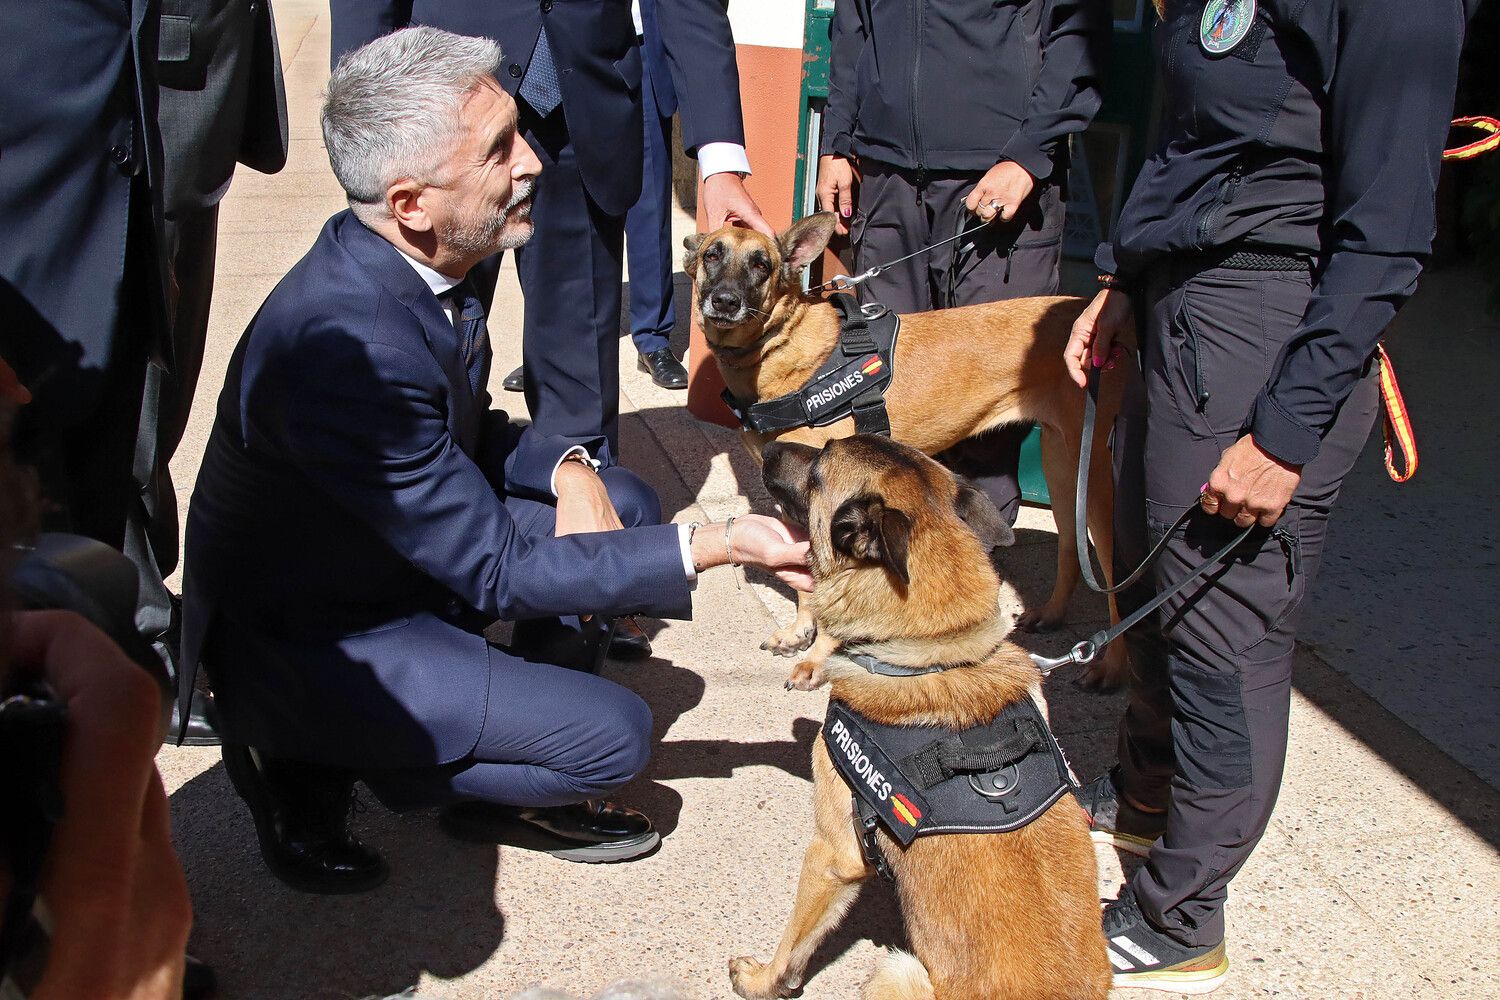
<point>362,515</point>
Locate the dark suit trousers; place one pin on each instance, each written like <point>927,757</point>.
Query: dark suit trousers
<point>570,271</point>
<point>897,216</point>
<point>648,235</point>
<point>152,535</point>
<point>551,735</point>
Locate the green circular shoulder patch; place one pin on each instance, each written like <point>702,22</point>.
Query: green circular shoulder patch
<point>1225,24</point>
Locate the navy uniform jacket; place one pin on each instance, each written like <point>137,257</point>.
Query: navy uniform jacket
<point>1319,134</point>
<point>78,127</point>
<point>599,69</point>
<point>963,84</point>
<point>350,505</point>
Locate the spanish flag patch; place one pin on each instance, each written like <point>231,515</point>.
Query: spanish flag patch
<point>872,366</point>
<point>905,810</point>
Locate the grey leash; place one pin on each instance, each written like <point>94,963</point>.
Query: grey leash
<point>845,282</point>
<point>1086,651</point>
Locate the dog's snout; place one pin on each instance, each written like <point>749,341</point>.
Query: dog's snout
<point>725,301</point>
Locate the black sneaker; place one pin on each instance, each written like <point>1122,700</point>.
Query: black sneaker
<point>1113,820</point>
<point>1146,959</point>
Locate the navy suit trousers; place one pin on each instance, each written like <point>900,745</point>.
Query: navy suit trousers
<point>551,736</point>
<point>648,234</point>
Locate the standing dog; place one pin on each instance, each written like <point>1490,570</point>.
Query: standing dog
<point>958,372</point>
<point>903,578</point>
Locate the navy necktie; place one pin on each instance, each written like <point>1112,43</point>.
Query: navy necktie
<point>468,320</point>
<point>540,88</point>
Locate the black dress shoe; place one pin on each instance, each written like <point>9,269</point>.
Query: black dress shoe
<point>547,640</point>
<point>202,724</point>
<point>301,814</point>
<point>664,369</point>
<point>593,832</point>
<point>199,981</point>
<point>629,642</point>
<point>515,381</point>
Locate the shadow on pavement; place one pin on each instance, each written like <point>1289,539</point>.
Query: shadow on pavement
<point>436,914</point>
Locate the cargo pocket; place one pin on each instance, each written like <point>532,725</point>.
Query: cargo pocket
<point>1210,734</point>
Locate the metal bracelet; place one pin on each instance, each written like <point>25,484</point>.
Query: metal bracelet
<point>729,553</point>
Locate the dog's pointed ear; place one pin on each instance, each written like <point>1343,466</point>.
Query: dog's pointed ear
<point>865,528</point>
<point>807,237</point>
<point>979,512</point>
<point>692,243</point>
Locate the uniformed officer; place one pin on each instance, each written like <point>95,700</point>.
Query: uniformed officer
<point>1265,246</point>
<point>951,108</point>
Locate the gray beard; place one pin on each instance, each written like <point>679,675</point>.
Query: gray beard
<point>478,238</point>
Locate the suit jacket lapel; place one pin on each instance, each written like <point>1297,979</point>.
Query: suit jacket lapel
<point>387,266</point>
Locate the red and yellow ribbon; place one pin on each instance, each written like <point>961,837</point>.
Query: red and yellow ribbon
<point>1398,429</point>
<point>1489,143</point>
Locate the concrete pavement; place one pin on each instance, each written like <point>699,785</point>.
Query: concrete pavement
<point>1376,879</point>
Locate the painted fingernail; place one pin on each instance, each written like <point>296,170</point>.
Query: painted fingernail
<point>1203,488</point>
<point>847,211</point>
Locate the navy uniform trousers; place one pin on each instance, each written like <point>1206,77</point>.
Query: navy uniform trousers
<point>1012,260</point>
<point>648,232</point>
<point>1212,672</point>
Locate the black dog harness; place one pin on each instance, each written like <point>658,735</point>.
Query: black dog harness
<point>852,382</point>
<point>918,780</point>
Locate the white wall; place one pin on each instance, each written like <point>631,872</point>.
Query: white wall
<point>774,23</point>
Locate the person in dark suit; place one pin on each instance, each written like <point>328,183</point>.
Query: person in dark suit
<point>362,516</point>
<point>575,69</point>
<point>222,101</point>
<point>82,299</point>
<point>648,224</point>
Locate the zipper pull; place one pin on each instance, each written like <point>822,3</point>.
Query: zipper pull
<point>1292,545</point>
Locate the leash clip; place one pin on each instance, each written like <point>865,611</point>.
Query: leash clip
<point>847,283</point>
<point>1082,654</point>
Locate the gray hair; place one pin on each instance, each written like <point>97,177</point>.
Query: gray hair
<point>392,109</point>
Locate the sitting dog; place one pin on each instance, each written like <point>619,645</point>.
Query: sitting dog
<point>907,590</point>
<point>957,373</point>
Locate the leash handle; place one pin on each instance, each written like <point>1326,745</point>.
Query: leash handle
<point>1396,425</point>
<point>1489,143</point>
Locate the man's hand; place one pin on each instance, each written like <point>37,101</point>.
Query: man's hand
<point>583,503</point>
<point>1001,191</point>
<point>755,540</point>
<point>836,189</point>
<point>1094,332</point>
<point>116,891</point>
<point>726,201</point>
<point>1250,486</point>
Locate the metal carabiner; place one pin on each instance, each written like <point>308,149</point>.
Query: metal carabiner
<point>1082,654</point>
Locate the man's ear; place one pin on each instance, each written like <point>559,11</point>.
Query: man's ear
<point>979,512</point>
<point>403,200</point>
<point>865,528</point>
<point>807,237</point>
<point>692,243</point>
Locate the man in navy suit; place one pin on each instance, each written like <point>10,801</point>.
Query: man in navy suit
<point>575,69</point>
<point>362,516</point>
<point>648,224</point>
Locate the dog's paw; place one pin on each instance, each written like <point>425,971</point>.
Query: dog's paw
<point>791,640</point>
<point>751,979</point>
<point>1039,620</point>
<point>805,676</point>
<point>1108,673</point>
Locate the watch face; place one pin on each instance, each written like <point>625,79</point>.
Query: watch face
<point>1225,24</point>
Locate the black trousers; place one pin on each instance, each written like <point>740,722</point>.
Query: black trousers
<point>1205,728</point>
<point>897,215</point>
<point>571,270</point>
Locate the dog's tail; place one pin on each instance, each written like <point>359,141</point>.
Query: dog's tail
<point>899,976</point>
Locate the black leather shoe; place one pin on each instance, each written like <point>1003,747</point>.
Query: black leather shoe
<point>199,981</point>
<point>202,725</point>
<point>547,640</point>
<point>515,381</point>
<point>592,832</point>
<point>664,369</point>
<point>301,814</point>
<point>629,642</point>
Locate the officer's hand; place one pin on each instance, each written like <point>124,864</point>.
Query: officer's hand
<point>1250,486</point>
<point>583,503</point>
<point>755,540</point>
<point>1094,332</point>
<point>1000,192</point>
<point>726,201</point>
<point>836,189</point>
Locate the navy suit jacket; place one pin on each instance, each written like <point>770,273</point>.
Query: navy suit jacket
<point>350,510</point>
<point>78,126</point>
<point>599,69</point>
